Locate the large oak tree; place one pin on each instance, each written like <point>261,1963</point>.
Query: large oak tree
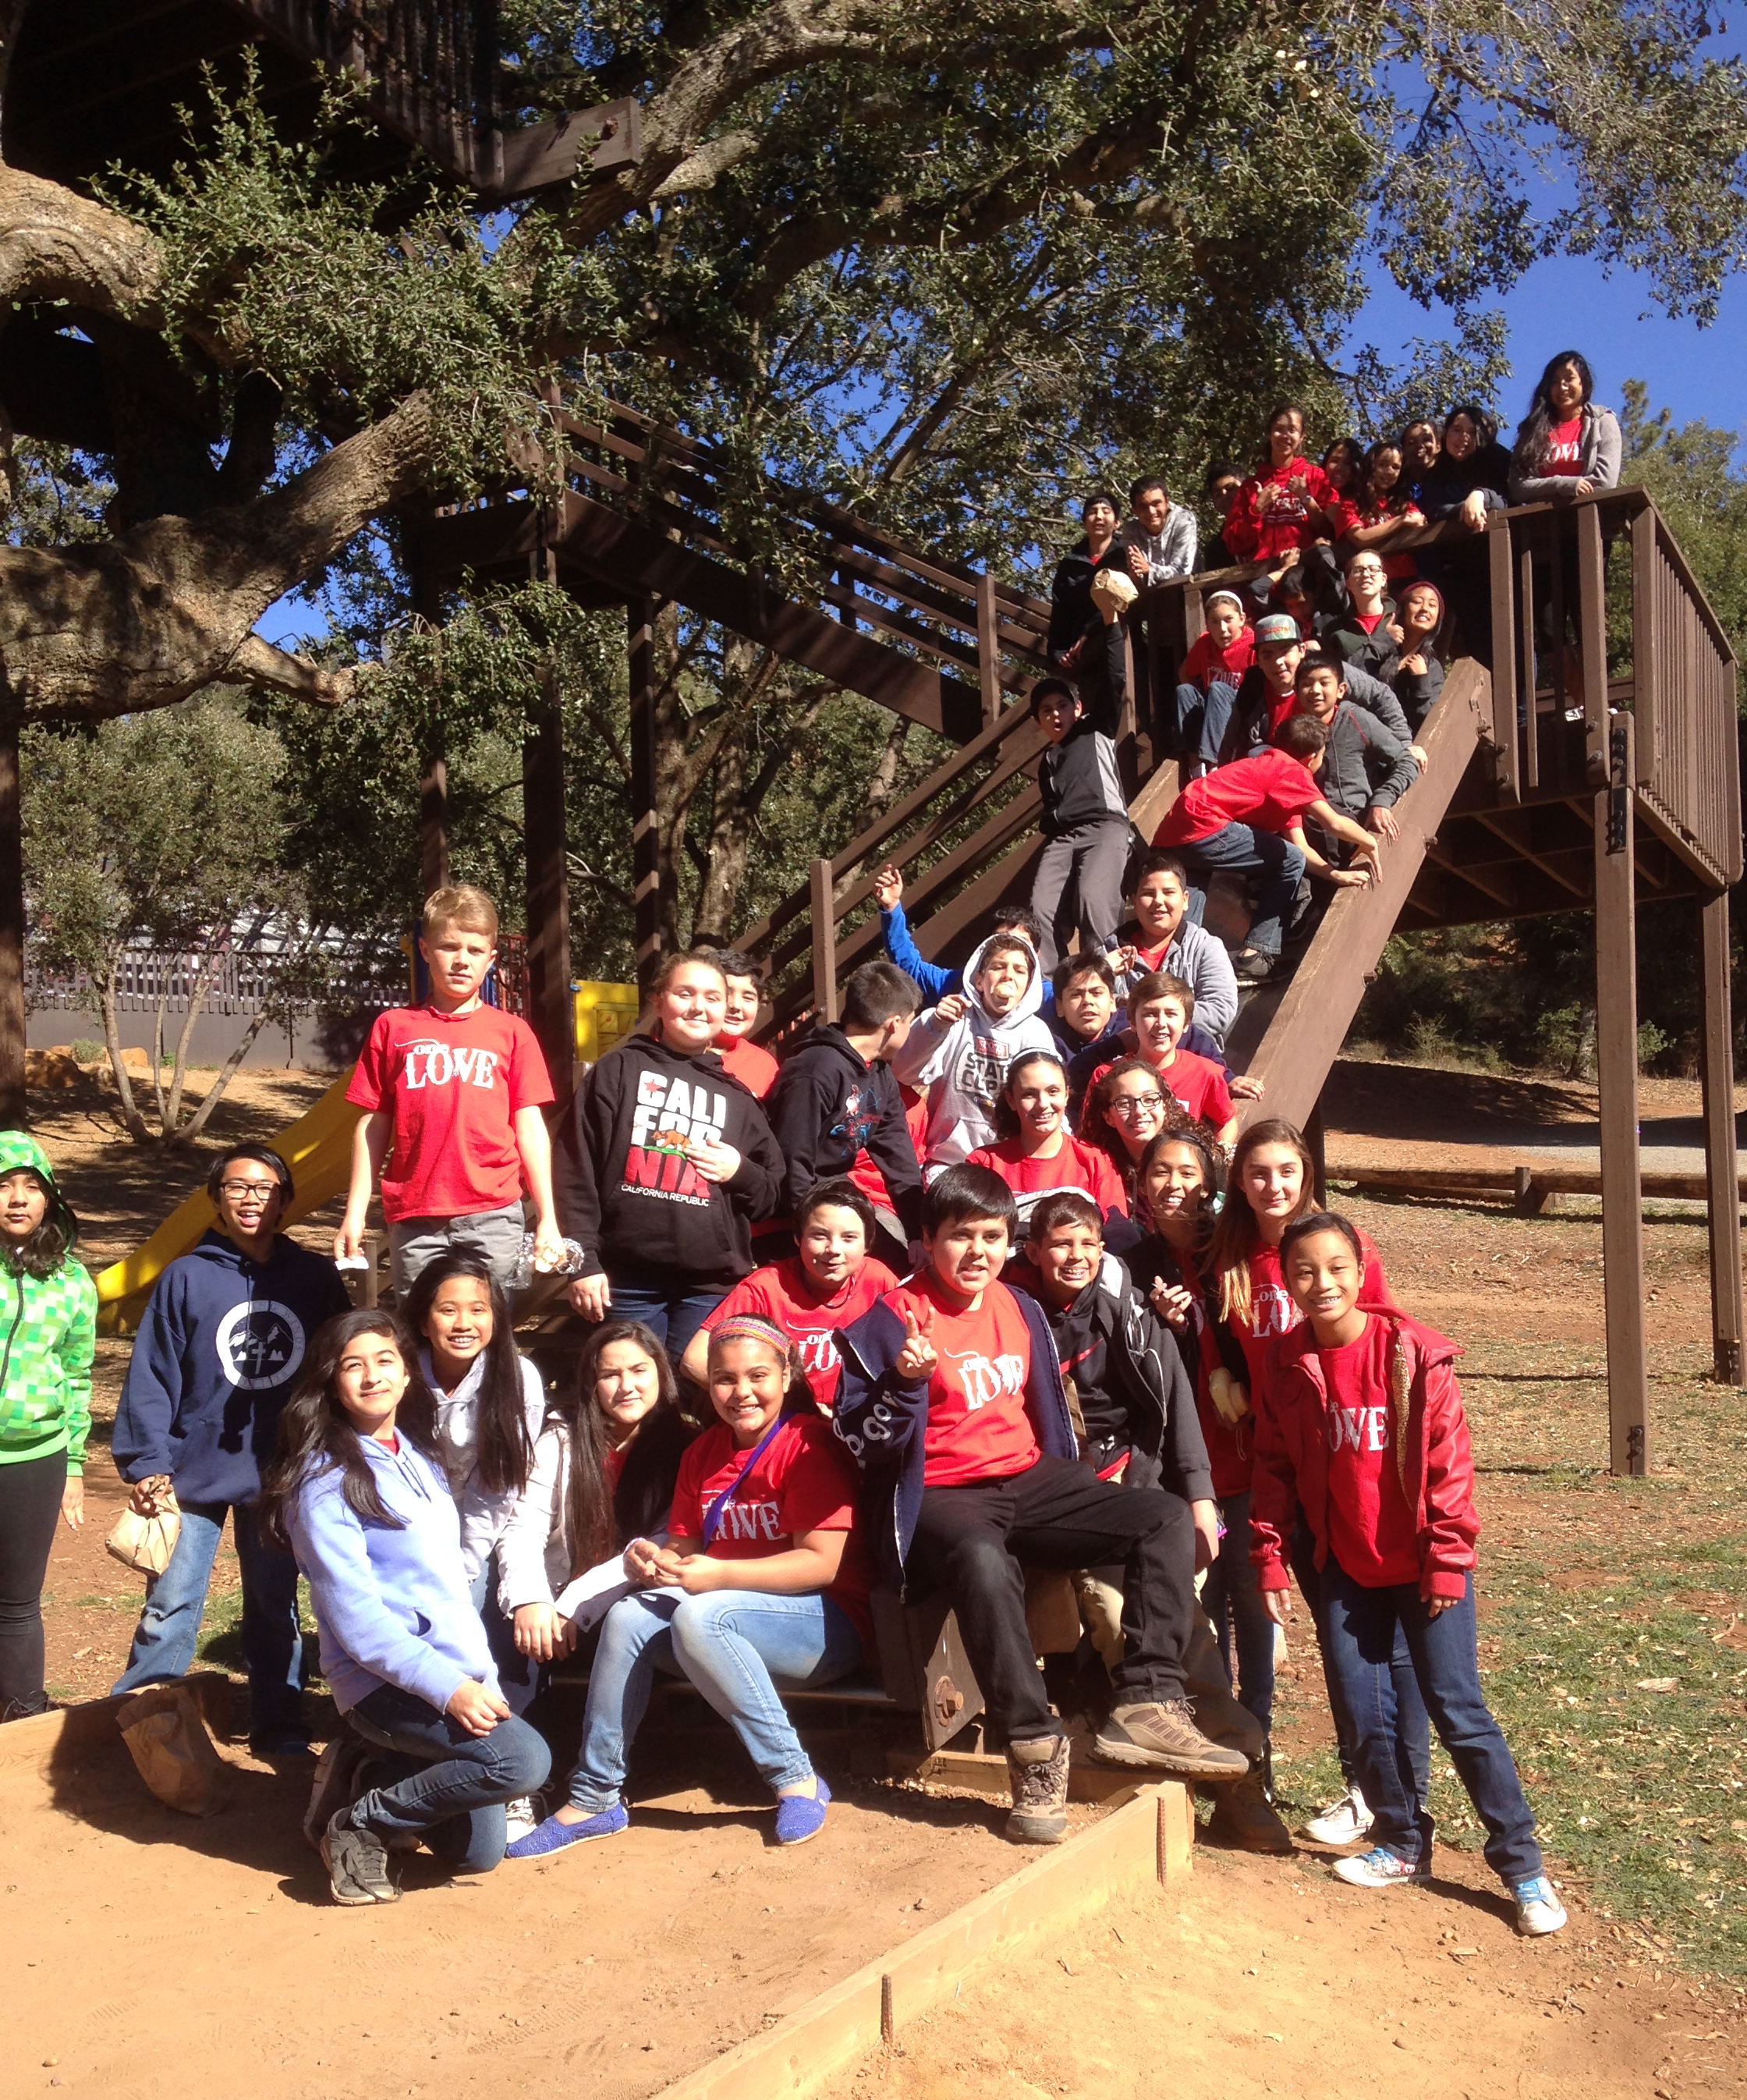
<point>940,259</point>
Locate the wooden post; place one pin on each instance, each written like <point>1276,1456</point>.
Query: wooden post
<point>1315,1138</point>
<point>1504,729</point>
<point>824,942</point>
<point>544,842</point>
<point>432,770</point>
<point>1592,631</point>
<point>1617,1061</point>
<point>646,863</point>
<point>1716,1072</point>
<point>433,823</point>
<point>988,648</point>
<point>13,1108</point>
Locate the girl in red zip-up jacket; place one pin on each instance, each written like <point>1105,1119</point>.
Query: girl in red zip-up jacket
<point>1359,1426</point>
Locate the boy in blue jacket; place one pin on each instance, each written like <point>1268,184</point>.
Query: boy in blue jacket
<point>953,1403</point>
<point>217,1353</point>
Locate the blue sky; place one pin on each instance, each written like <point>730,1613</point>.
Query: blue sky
<point>1568,303</point>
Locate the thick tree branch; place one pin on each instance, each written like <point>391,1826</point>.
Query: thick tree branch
<point>91,632</point>
<point>56,244</point>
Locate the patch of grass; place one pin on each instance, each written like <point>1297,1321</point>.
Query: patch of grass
<point>1590,1588</point>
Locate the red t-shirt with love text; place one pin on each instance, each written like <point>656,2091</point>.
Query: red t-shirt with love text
<point>978,1428</point>
<point>786,1296</point>
<point>453,1083</point>
<point>804,1481</point>
<point>1370,1527</point>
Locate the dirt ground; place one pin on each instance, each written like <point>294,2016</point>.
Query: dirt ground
<point>172,1952</point>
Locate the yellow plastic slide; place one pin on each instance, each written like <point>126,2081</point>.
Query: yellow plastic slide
<point>318,1149</point>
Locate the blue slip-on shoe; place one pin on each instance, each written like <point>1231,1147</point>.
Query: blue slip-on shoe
<point>553,1835</point>
<point>1379,1869</point>
<point>1538,1910</point>
<point>800,1816</point>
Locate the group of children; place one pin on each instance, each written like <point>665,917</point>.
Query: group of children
<point>982,1288</point>
<point>1344,627</point>
<point>961,1301</point>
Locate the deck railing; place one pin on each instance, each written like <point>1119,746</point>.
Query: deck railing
<point>955,617</point>
<point>1674,671</point>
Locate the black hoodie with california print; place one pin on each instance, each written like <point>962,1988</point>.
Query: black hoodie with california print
<point>624,1188</point>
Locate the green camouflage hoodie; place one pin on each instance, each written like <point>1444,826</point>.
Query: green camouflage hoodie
<point>48,1335</point>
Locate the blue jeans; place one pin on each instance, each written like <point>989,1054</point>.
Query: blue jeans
<point>1214,718</point>
<point>518,1676</point>
<point>1243,851</point>
<point>1362,1626</point>
<point>1201,718</point>
<point>672,1313</point>
<point>729,1644</point>
<point>170,1625</point>
<point>1412,1724</point>
<point>1232,1600</point>
<point>461,1779</point>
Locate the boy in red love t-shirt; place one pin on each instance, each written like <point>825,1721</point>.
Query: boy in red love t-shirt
<point>454,1090</point>
<point>828,1283</point>
<point>1361,1430</point>
<point>1249,816</point>
<point>762,1576</point>
<point>953,1403</point>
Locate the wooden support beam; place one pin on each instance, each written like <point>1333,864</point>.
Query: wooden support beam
<point>824,942</point>
<point>1592,633</point>
<point>988,650</point>
<point>545,851</point>
<point>645,861</point>
<point>433,765</point>
<point>586,142</point>
<point>1646,632</point>
<point>1616,1061</point>
<point>1716,1073</point>
<point>1504,730</point>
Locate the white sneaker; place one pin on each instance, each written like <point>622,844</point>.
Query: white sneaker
<point>1343,1822</point>
<point>1378,1869</point>
<point>521,1817</point>
<point>1538,1910</point>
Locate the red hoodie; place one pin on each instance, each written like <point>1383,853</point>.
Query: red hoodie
<point>1297,519</point>
<point>1427,1444</point>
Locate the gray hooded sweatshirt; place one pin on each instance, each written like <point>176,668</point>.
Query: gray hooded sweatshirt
<point>962,1065</point>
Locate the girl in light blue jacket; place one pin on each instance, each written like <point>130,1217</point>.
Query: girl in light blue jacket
<point>358,1492</point>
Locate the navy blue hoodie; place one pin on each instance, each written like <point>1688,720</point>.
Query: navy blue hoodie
<point>214,1364</point>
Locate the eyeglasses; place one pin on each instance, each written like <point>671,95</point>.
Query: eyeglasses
<point>1137,1105</point>
<point>1365,569</point>
<point>236,1190</point>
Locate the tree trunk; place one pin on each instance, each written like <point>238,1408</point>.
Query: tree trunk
<point>13,1108</point>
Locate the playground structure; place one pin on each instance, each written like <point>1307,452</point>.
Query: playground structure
<point>1520,811</point>
<point>1536,798</point>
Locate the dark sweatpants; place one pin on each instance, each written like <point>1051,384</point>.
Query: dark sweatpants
<point>970,1544</point>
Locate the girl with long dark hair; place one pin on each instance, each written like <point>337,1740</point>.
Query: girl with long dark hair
<point>761,1579</point>
<point>358,1491</point>
<point>49,1322</point>
<point>604,1470</point>
<point>1566,447</point>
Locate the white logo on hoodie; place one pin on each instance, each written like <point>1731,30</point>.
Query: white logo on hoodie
<point>260,1343</point>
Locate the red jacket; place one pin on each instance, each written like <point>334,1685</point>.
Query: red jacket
<point>1430,1436</point>
<point>1258,536</point>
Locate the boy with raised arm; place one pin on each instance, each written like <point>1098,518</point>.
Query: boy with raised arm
<point>953,1403</point>
<point>454,1090</point>
<point>958,1052</point>
<point>1249,817</point>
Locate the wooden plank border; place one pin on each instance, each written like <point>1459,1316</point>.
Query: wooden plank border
<point>1145,1843</point>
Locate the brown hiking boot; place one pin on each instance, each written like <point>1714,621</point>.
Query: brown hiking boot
<point>1244,1816</point>
<point>1161,1734</point>
<point>1038,1772</point>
